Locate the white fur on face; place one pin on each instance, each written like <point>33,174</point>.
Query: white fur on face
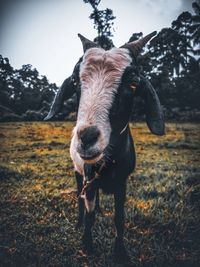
<point>100,75</point>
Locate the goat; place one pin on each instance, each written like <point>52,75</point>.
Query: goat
<point>102,148</point>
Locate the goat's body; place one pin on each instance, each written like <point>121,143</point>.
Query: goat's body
<point>118,166</point>
<point>121,165</point>
<point>102,147</point>
<point>112,180</point>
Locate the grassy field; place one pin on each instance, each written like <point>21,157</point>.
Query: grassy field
<point>38,206</point>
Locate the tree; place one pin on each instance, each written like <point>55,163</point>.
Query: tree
<point>24,89</point>
<point>6,77</point>
<point>181,26</point>
<point>103,23</point>
<point>194,29</point>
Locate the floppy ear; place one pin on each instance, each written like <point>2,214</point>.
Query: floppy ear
<point>66,90</point>
<point>154,114</point>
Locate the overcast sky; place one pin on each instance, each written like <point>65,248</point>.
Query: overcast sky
<point>43,33</point>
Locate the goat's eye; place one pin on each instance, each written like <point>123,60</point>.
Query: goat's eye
<point>134,83</point>
<point>133,86</point>
<point>75,82</point>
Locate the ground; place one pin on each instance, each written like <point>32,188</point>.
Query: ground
<point>38,206</point>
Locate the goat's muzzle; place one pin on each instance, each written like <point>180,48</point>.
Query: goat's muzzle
<point>88,137</point>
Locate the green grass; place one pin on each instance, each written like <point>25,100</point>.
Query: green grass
<point>38,206</point>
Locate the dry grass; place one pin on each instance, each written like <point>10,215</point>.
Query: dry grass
<point>38,206</point>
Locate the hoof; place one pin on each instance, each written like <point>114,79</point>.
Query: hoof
<point>87,244</point>
<point>120,253</point>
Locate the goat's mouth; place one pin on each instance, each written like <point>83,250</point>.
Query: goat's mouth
<point>91,158</point>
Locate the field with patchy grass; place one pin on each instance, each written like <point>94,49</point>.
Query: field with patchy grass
<point>38,206</point>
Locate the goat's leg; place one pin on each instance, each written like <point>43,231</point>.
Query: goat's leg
<point>90,199</point>
<point>79,181</point>
<point>119,250</point>
<point>87,235</point>
<point>97,206</point>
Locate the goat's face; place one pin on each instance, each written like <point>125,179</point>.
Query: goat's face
<point>105,102</point>
<point>105,82</point>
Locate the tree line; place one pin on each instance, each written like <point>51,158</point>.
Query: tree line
<point>171,61</point>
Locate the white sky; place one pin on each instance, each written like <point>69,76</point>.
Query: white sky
<point>43,33</point>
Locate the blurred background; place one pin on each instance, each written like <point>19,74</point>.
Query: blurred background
<point>39,48</point>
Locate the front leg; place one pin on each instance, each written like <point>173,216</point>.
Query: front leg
<point>87,235</point>
<point>97,205</point>
<point>79,181</point>
<point>120,197</point>
<point>88,200</point>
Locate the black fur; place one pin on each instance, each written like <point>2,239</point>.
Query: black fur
<point>120,162</point>
<point>111,174</point>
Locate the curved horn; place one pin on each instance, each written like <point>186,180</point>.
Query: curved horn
<point>87,44</point>
<point>64,92</point>
<point>136,46</point>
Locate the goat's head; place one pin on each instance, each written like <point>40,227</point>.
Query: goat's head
<point>106,83</point>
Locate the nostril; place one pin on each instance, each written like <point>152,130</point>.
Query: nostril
<point>89,135</point>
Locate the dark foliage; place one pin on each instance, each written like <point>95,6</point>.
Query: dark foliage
<point>24,94</point>
<point>171,62</point>
<point>103,19</point>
